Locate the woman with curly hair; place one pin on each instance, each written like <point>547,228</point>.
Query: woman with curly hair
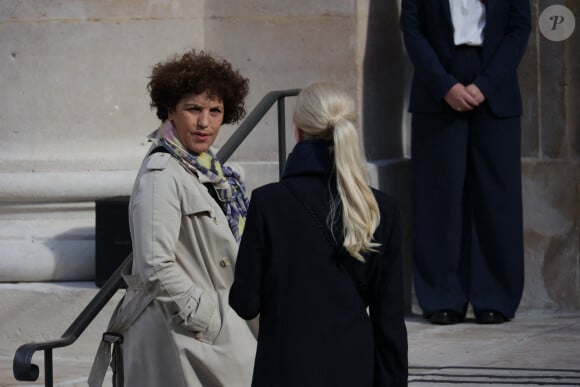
<point>187,213</point>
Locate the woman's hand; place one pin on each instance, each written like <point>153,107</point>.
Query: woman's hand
<point>462,98</point>
<point>475,93</point>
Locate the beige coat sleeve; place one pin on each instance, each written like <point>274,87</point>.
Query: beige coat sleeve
<point>156,217</point>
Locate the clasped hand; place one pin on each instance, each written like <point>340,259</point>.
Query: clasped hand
<point>464,98</point>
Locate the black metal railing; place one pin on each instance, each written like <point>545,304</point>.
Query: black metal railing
<point>22,366</point>
<point>252,120</point>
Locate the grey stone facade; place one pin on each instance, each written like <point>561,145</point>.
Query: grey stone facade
<point>550,78</point>
<point>74,116</point>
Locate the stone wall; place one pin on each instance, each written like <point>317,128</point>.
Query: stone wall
<point>550,77</point>
<point>74,115</point>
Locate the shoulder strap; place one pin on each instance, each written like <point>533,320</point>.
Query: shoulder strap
<point>340,251</point>
<point>315,217</point>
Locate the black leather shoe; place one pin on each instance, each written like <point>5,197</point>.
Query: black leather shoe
<point>489,317</point>
<point>444,317</point>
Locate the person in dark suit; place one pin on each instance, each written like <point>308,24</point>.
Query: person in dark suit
<point>318,249</point>
<point>466,106</point>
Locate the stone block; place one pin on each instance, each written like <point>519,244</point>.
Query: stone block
<point>49,242</point>
<point>74,94</point>
<point>258,173</point>
<point>263,57</point>
<point>96,10</point>
<point>38,312</point>
<point>267,8</point>
<point>551,235</point>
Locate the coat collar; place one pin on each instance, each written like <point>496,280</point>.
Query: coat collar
<point>309,157</point>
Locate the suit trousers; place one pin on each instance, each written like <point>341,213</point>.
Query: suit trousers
<point>467,205</point>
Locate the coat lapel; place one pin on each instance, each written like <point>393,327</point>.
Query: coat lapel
<point>490,7</point>
<point>446,12</point>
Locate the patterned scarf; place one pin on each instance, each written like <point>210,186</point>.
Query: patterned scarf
<point>227,183</point>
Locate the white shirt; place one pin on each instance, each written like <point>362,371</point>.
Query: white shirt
<point>468,18</point>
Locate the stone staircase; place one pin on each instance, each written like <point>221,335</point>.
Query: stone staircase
<point>36,312</point>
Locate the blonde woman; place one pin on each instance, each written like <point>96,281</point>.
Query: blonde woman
<point>319,248</point>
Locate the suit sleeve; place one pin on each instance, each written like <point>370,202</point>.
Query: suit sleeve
<point>428,67</point>
<point>508,54</point>
<point>387,311</point>
<point>245,293</point>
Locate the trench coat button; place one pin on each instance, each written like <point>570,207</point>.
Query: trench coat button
<point>216,221</point>
<point>198,335</point>
<point>223,263</point>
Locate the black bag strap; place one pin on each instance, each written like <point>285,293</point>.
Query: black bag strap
<point>311,213</point>
<point>340,251</point>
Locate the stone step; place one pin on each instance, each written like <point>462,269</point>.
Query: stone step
<point>55,241</point>
<point>37,312</point>
<point>535,347</point>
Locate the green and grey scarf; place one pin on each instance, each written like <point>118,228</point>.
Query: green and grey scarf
<point>227,183</point>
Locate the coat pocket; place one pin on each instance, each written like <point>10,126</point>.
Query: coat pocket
<point>201,316</point>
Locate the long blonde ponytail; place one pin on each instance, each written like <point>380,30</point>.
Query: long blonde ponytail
<point>325,111</point>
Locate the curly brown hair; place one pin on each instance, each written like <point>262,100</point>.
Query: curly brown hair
<point>197,72</point>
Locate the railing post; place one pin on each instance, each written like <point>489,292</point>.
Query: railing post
<point>48,368</point>
<point>281,137</point>
<point>252,120</point>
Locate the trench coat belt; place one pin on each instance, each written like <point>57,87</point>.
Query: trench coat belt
<point>120,322</point>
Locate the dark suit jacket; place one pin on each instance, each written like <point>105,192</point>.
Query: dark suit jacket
<point>314,328</point>
<point>428,35</point>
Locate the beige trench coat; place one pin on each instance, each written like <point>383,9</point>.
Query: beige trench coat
<point>183,257</point>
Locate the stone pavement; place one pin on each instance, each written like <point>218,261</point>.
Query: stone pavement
<point>536,348</point>
<point>533,349</point>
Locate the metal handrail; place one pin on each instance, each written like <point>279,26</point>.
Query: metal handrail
<point>252,120</point>
<point>22,366</point>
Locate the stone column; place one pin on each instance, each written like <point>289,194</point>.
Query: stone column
<point>550,77</point>
<point>74,116</point>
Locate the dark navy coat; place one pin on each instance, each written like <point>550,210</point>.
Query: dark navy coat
<point>466,166</point>
<point>312,300</point>
<point>428,33</point>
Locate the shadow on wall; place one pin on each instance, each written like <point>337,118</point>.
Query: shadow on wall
<point>386,76</point>
<point>73,254</point>
<point>384,83</point>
